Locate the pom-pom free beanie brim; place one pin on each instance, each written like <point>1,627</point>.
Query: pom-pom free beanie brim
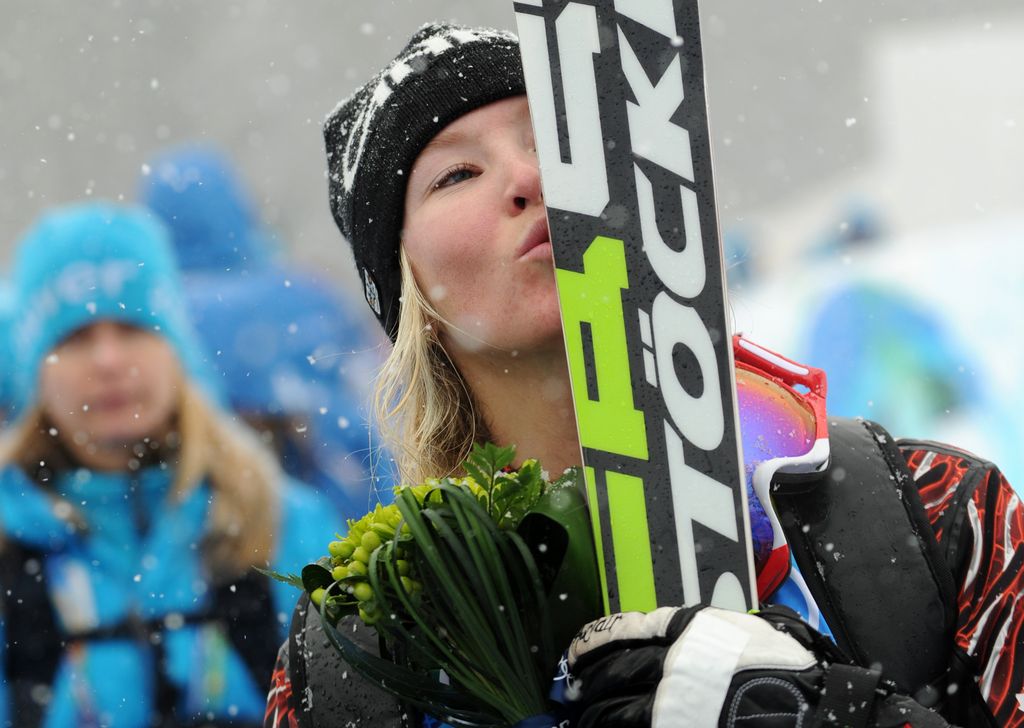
<point>374,137</point>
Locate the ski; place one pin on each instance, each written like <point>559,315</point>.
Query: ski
<point>616,92</point>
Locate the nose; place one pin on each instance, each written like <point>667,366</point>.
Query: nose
<point>108,350</point>
<point>524,188</point>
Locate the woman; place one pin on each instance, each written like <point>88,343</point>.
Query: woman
<point>435,184</point>
<point>132,509</point>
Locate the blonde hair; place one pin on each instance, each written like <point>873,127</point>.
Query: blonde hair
<point>425,412</point>
<point>243,476</point>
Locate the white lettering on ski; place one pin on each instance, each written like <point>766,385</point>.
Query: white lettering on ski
<point>701,499</point>
<point>579,185</point>
<point>699,419</point>
<point>652,134</point>
<point>658,16</point>
<point>696,496</point>
<point>682,271</point>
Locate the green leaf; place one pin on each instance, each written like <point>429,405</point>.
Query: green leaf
<point>474,471</point>
<point>292,579</point>
<point>317,575</point>
<point>570,478</point>
<point>560,521</point>
<point>503,456</point>
<point>491,456</point>
<point>515,494</point>
<point>489,459</point>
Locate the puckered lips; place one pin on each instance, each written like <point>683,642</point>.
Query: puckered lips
<point>537,242</point>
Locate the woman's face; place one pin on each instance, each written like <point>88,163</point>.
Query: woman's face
<point>476,232</point>
<point>110,384</point>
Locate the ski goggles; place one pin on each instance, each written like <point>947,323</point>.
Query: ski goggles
<point>784,435</point>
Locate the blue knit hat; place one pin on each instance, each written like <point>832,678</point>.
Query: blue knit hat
<point>92,262</point>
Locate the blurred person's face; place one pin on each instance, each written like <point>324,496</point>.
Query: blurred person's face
<point>476,232</point>
<point>109,385</point>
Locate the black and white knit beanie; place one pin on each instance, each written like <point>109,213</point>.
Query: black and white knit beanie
<point>374,136</point>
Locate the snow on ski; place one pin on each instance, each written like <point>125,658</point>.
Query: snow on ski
<point>616,92</point>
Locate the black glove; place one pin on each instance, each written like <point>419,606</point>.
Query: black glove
<point>703,667</point>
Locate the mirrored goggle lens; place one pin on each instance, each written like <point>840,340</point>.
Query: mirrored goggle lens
<point>774,422</point>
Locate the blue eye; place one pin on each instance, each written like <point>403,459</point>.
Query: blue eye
<point>454,175</point>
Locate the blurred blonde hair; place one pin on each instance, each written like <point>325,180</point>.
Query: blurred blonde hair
<point>424,410</point>
<point>243,476</point>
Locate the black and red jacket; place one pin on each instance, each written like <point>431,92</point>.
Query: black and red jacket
<point>978,523</point>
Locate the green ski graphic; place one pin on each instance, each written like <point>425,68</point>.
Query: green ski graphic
<point>616,92</point>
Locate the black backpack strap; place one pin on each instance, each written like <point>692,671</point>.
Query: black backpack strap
<point>34,641</point>
<point>862,541</point>
<point>245,606</point>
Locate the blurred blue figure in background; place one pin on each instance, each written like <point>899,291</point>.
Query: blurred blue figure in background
<point>6,354</point>
<point>213,225</point>
<point>739,264</point>
<point>292,357</point>
<point>860,224</point>
<point>277,353</point>
<point>133,508</point>
<point>890,358</point>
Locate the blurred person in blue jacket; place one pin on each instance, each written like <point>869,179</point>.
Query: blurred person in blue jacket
<point>132,508</point>
<point>6,353</point>
<point>294,359</point>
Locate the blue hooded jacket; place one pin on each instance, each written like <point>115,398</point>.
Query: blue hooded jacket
<point>117,572</point>
<point>6,352</point>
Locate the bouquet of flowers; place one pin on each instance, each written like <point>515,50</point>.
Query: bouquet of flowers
<point>475,585</point>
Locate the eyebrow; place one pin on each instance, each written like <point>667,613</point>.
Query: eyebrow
<point>444,138</point>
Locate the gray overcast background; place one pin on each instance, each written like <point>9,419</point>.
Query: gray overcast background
<point>89,90</point>
<point>911,109</point>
